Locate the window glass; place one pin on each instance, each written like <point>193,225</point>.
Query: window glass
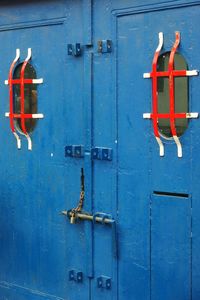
<point>181,95</point>
<point>30,96</point>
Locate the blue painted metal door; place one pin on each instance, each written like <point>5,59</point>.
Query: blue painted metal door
<point>157,196</point>
<point>38,247</point>
<point>97,100</point>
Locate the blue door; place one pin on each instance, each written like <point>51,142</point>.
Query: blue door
<point>157,192</point>
<point>100,150</point>
<point>38,247</point>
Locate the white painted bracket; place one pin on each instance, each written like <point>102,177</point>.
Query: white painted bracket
<point>18,140</point>
<point>146,116</point>
<point>179,146</point>
<point>38,81</point>
<point>161,146</point>
<point>192,73</point>
<point>147,75</point>
<point>192,115</point>
<point>29,141</point>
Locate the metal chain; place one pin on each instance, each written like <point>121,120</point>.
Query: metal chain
<point>80,204</point>
<point>79,207</point>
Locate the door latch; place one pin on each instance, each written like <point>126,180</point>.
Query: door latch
<point>99,217</point>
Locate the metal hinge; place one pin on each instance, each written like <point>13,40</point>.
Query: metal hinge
<point>104,46</point>
<point>104,282</point>
<point>76,276</point>
<point>75,50</point>
<point>102,153</point>
<point>74,151</point>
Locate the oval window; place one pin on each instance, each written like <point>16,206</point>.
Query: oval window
<point>181,95</point>
<point>30,97</point>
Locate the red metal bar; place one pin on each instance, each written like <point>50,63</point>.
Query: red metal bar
<point>171,84</point>
<point>18,116</point>
<point>22,82</point>
<point>167,116</point>
<point>170,73</point>
<point>18,81</point>
<point>176,73</point>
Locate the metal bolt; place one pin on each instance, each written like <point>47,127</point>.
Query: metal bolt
<point>100,283</point>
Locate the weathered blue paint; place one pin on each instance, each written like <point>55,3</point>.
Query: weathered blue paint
<point>96,101</point>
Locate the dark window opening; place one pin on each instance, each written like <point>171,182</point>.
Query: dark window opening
<point>181,95</point>
<point>30,97</point>
<point>170,194</point>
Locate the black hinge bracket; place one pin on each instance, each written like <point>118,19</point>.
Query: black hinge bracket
<point>102,153</point>
<point>76,276</point>
<point>74,50</point>
<point>76,151</point>
<point>104,282</point>
<point>104,46</point>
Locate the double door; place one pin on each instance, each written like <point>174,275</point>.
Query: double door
<point>91,133</point>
